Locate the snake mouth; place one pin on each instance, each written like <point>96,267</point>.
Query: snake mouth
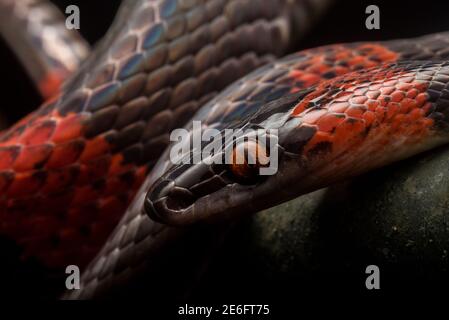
<point>187,194</point>
<point>213,200</point>
<point>172,198</point>
<point>179,207</point>
<point>168,203</point>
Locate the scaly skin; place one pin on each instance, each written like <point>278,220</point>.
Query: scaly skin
<point>69,170</point>
<point>345,127</point>
<point>332,129</point>
<point>126,253</point>
<point>76,163</point>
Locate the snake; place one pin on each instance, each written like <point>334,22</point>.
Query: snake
<point>87,178</point>
<point>340,110</point>
<point>35,30</point>
<point>70,169</point>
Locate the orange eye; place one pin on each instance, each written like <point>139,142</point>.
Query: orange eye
<point>246,160</point>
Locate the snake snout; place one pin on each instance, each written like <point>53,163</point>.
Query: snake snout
<point>172,199</point>
<point>166,201</point>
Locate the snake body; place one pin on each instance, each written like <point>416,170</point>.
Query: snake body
<point>35,30</point>
<point>325,82</point>
<point>69,170</point>
<point>365,105</point>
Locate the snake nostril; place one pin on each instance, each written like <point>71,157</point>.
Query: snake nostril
<point>179,198</point>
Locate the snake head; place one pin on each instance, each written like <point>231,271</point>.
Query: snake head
<point>219,185</point>
<point>237,173</point>
<point>324,135</point>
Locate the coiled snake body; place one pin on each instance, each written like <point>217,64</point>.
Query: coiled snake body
<point>69,170</point>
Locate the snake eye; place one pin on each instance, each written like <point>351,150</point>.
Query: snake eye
<point>245,161</point>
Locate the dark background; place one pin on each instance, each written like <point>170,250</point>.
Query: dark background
<point>344,22</point>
